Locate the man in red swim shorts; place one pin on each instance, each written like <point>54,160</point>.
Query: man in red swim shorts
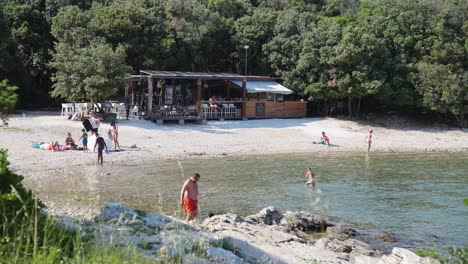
<point>189,196</point>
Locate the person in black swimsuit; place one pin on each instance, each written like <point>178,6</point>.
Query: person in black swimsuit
<point>101,144</point>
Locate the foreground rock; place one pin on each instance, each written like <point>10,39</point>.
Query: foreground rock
<point>266,237</point>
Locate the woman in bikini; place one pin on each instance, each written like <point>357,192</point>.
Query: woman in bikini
<point>369,139</point>
<point>115,132</point>
<point>310,176</point>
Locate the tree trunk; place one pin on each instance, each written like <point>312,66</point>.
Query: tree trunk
<point>358,107</point>
<point>350,106</point>
<point>325,108</point>
<point>461,120</point>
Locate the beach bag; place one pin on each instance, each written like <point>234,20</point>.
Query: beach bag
<point>36,145</point>
<point>87,125</point>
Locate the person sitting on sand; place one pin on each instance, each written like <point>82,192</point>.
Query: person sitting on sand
<point>324,140</point>
<point>369,139</point>
<point>310,176</point>
<point>57,147</point>
<point>69,141</point>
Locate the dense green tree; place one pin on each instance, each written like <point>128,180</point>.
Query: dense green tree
<point>317,62</point>
<point>360,56</point>
<point>284,48</point>
<point>31,33</point>
<point>8,99</point>
<point>7,49</point>
<point>139,26</point>
<point>328,50</point>
<point>94,72</point>
<point>254,31</point>
<point>441,90</point>
<point>202,38</point>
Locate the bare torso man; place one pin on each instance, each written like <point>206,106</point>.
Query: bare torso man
<point>310,176</point>
<point>189,196</point>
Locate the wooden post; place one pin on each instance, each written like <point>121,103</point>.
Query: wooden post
<point>199,90</point>
<point>150,97</point>
<point>133,93</point>
<point>228,92</point>
<point>244,98</point>
<point>127,84</point>
<point>199,106</point>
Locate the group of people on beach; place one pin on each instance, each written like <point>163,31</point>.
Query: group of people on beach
<point>325,140</point>
<point>70,144</point>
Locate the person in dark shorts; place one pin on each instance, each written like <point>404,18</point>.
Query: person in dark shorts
<point>101,144</point>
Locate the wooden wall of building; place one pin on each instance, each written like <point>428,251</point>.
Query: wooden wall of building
<point>274,109</point>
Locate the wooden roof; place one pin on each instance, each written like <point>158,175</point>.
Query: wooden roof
<point>196,75</point>
<point>191,75</point>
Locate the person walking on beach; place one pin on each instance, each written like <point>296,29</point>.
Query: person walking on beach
<point>310,176</point>
<point>369,139</point>
<point>189,196</point>
<point>101,144</point>
<point>84,136</point>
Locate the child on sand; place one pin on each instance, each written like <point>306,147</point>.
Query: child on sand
<point>310,176</point>
<point>84,136</point>
<point>369,139</point>
<point>101,144</point>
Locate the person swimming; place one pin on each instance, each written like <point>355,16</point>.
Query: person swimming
<point>310,176</point>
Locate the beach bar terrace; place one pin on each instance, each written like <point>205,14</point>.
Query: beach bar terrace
<point>198,96</point>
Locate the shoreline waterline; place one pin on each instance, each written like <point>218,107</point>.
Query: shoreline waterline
<point>352,187</point>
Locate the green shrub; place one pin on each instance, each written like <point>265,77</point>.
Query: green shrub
<point>29,236</point>
<point>455,255</point>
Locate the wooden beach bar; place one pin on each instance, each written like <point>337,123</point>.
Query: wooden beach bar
<point>200,96</point>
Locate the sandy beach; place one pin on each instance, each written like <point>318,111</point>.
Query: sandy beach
<point>144,141</point>
<point>217,138</point>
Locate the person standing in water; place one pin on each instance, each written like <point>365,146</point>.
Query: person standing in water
<point>369,139</point>
<point>310,176</point>
<point>189,196</point>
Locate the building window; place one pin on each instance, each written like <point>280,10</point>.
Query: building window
<point>280,97</point>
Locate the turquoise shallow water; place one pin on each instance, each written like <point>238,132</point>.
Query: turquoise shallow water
<point>416,197</point>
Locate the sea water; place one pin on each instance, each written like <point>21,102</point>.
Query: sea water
<point>416,197</point>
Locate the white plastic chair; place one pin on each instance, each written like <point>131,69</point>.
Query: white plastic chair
<point>67,109</point>
<point>134,112</point>
<point>231,110</point>
<point>121,111</point>
<point>206,110</point>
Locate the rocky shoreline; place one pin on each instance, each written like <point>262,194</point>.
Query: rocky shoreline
<point>266,237</point>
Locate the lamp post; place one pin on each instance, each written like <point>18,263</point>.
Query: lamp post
<point>246,47</point>
<point>244,87</point>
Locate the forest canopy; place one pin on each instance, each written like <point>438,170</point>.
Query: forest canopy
<point>397,54</point>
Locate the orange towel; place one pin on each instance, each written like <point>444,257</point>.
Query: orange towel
<point>190,205</point>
